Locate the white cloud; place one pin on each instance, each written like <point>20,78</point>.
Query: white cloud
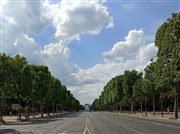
<point>131,45</point>
<point>81,17</point>
<point>56,48</point>
<point>86,84</point>
<point>129,6</point>
<point>102,73</point>
<point>20,19</point>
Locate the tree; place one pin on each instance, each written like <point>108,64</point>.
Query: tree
<point>16,77</point>
<point>138,93</point>
<point>168,42</point>
<point>150,76</point>
<point>40,85</point>
<point>130,78</point>
<point>4,82</point>
<point>55,93</point>
<point>95,105</point>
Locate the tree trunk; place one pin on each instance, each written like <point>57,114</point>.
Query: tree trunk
<point>56,109</point>
<point>33,110</point>
<point>145,106</point>
<point>162,104</point>
<point>47,110</point>
<point>59,109</point>
<point>19,111</point>
<point>1,112</point>
<point>29,111</point>
<point>41,110</point>
<point>141,108</point>
<point>117,108</point>
<point>120,108</point>
<point>153,105</point>
<point>176,105</point>
<point>53,108</point>
<point>132,108</point>
<point>135,108</point>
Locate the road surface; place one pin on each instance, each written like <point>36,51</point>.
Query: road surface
<point>92,123</point>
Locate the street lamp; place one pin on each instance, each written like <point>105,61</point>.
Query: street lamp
<point>152,76</point>
<point>152,58</point>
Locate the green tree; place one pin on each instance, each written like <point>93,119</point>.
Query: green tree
<point>4,82</point>
<point>17,75</point>
<point>150,76</point>
<point>130,78</point>
<point>138,93</point>
<point>168,42</point>
<point>40,85</point>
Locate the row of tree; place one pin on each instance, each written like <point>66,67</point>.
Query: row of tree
<point>161,79</point>
<point>32,87</point>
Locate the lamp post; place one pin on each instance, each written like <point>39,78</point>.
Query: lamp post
<point>175,39</point>
<point>176,105</point>
<point>152,58</point>
<point>159,65</point>
<point>152,76</point>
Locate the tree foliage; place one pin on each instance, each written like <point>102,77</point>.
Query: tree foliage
<point>31,85</point>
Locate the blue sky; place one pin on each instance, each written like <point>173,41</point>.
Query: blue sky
<point>139,15</point>
<point>145,15</point>
<point>84,44</point>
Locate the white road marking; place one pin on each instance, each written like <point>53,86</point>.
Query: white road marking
<point>131,129</point>
<point>44,131</point>
<point>86,129</point>
<point>173,126</point>
<point>52,127</point>
<point>155,123</point>
<point>63,132</point>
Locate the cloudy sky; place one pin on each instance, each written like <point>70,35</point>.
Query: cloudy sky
<point>84,42</point>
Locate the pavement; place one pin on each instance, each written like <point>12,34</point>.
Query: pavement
<point>166,117</point>
<point>92,123</point>
<point>13,119</point>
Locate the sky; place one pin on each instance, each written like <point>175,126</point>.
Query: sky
<point>85,43</point>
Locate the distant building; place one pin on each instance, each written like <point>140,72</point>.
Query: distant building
<point>87,107</point>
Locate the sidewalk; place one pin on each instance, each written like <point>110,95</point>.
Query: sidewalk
<point>166,116</point>
<point>13,118</point>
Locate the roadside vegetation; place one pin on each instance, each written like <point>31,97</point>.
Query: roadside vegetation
<point>32,88</point>
<point>159,88</point>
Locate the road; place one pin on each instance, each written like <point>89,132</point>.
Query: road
<point>92,123</point>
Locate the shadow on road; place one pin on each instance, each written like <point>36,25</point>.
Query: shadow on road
<point>12,131</point>
<point>48,119</point>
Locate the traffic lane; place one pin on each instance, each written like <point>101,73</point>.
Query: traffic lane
<point>93,123</point>
<point>72,125</point>
<point>153,121</point>
<point>103,125</point>
<point>169,122</point>
<point>80,124</point>
<point>40,126</point>
<point>143,125</point>
<point>34,127</point>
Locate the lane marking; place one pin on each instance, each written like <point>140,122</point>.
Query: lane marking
<point>131,129</point>
<point>86,127</point>
<point>44,131</point>
<point>52,127</point>
<point>173,126</point>
<point>63,132</point>
<point>156,123</point>
<point>89,132</point>
<point>91,125</point>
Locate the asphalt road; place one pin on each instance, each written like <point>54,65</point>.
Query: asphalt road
<point>92,123</point>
